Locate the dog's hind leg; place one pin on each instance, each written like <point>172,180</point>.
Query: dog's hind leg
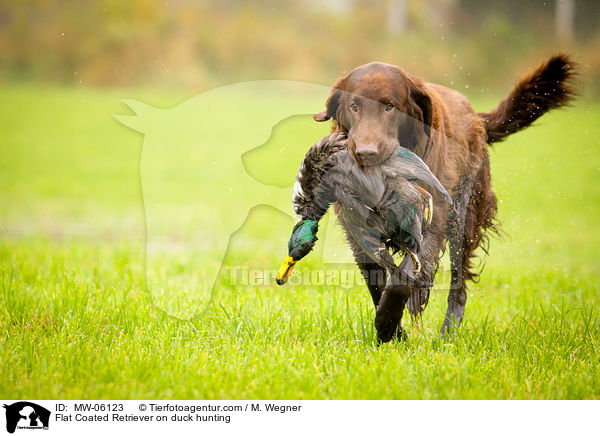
<point>476,214</point>
<point>457,296</point>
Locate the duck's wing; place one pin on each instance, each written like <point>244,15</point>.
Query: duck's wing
<point>368,236</point>
<point>404,163</point>
<point>403,206</point>
<point>365,183</point>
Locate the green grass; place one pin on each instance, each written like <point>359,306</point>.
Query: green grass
<point>77,319</point>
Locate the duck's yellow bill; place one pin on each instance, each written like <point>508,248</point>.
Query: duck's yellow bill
<point>285,270</point>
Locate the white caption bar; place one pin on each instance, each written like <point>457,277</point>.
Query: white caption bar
<point>24,417</point>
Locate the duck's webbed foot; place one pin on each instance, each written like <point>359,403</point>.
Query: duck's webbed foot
<point>416,261</point>
<point>420,282</point>
<point>410,272</point>
<point>428,205</point>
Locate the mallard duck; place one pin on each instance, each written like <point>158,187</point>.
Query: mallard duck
<point>382,207</point>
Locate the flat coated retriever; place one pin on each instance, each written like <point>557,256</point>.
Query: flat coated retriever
<point>380,107</point>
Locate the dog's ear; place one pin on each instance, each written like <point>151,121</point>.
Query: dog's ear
<point>420,108</point>
<point>333,102</point>
<point>420,104</point>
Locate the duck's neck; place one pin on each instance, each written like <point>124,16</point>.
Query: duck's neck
<point>304,236</point>
<point>310,200</point>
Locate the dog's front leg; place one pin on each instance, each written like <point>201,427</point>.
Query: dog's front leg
<point>400,285</point>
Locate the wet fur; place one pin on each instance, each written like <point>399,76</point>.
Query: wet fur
<point>452,139</point>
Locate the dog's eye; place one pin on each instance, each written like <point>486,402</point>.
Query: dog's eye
<point>353,107</point>
<point>389,107</point>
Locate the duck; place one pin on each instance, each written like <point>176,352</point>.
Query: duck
<point>383,208</point>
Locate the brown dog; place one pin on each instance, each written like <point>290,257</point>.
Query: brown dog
<point>380,107</point>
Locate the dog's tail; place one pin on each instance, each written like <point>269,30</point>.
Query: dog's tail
<point>549,86</point>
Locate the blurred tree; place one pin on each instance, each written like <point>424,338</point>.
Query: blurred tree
<point>208,43</point>
<point>396,17</point>
<point>564,17</point>
<point>440,12</point>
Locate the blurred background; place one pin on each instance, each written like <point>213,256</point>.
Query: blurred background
<point>85,231</point>
<point>68,169</point>
<point>472,45</point>
<point>70,172</point>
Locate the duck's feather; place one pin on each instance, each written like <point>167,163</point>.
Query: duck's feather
<point>380,206</point>
<point>406,164</point>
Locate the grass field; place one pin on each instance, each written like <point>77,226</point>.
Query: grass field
<point>78,320</point>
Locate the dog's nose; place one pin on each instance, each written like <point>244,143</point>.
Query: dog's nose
<point>367,153</point>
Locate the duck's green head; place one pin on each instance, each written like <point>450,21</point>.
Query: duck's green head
<point>301,243</point>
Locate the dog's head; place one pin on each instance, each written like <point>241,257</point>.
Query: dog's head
<point>381,107</point>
